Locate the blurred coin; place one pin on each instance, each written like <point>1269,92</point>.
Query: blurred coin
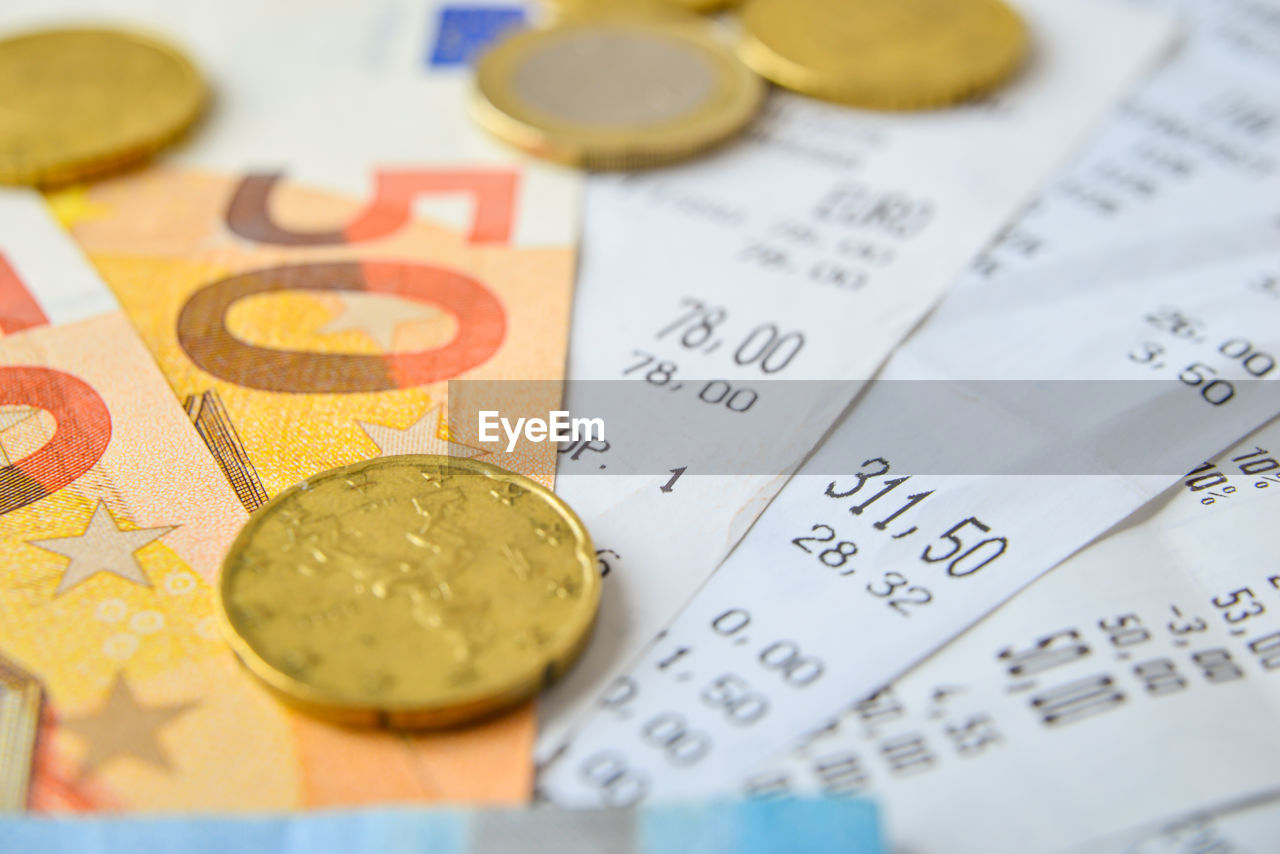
<point>410,591</point>
<point>884,54</point>
<point>76,103</point>
<point>576,6</point>
<point>615,91</point>
<point>703,5</point>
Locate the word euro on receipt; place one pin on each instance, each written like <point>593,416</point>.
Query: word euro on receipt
<point>828,232</point>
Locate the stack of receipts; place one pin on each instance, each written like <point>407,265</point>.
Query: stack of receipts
<point>794,263</point>
<point>1092,397</point>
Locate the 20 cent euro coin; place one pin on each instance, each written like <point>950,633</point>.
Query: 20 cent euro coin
<point>410,591</point>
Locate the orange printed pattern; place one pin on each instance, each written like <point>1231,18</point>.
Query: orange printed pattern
<point>492,192</point>
<point>321,323</point>
<point>81,433</point>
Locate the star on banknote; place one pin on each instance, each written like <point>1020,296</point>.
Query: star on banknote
<point>376,316</point>
<point>71,206</point>
<point>125,727</point>
<point>420,437</point>
<point>103,546</point>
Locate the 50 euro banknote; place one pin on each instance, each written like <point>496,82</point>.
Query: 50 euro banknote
<point>113,520</point>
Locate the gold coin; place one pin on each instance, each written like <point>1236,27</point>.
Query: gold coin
<point>884,54</point>
<point>703,5</point>
<point>410,591</point>
<point>76,103</point>
<point>615,91</point>
<point>577,6</point>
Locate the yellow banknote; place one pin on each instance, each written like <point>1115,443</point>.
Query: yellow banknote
<point>113,516</point>
<point>304,330</point>
<point>113,520</point>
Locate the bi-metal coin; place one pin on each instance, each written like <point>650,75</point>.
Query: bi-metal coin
<point>884,54</point>
<point>617,90</point>
<point>410,591</point>
<point>78,103</point>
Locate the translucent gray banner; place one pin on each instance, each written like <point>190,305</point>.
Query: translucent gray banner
<point>722,427</point>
